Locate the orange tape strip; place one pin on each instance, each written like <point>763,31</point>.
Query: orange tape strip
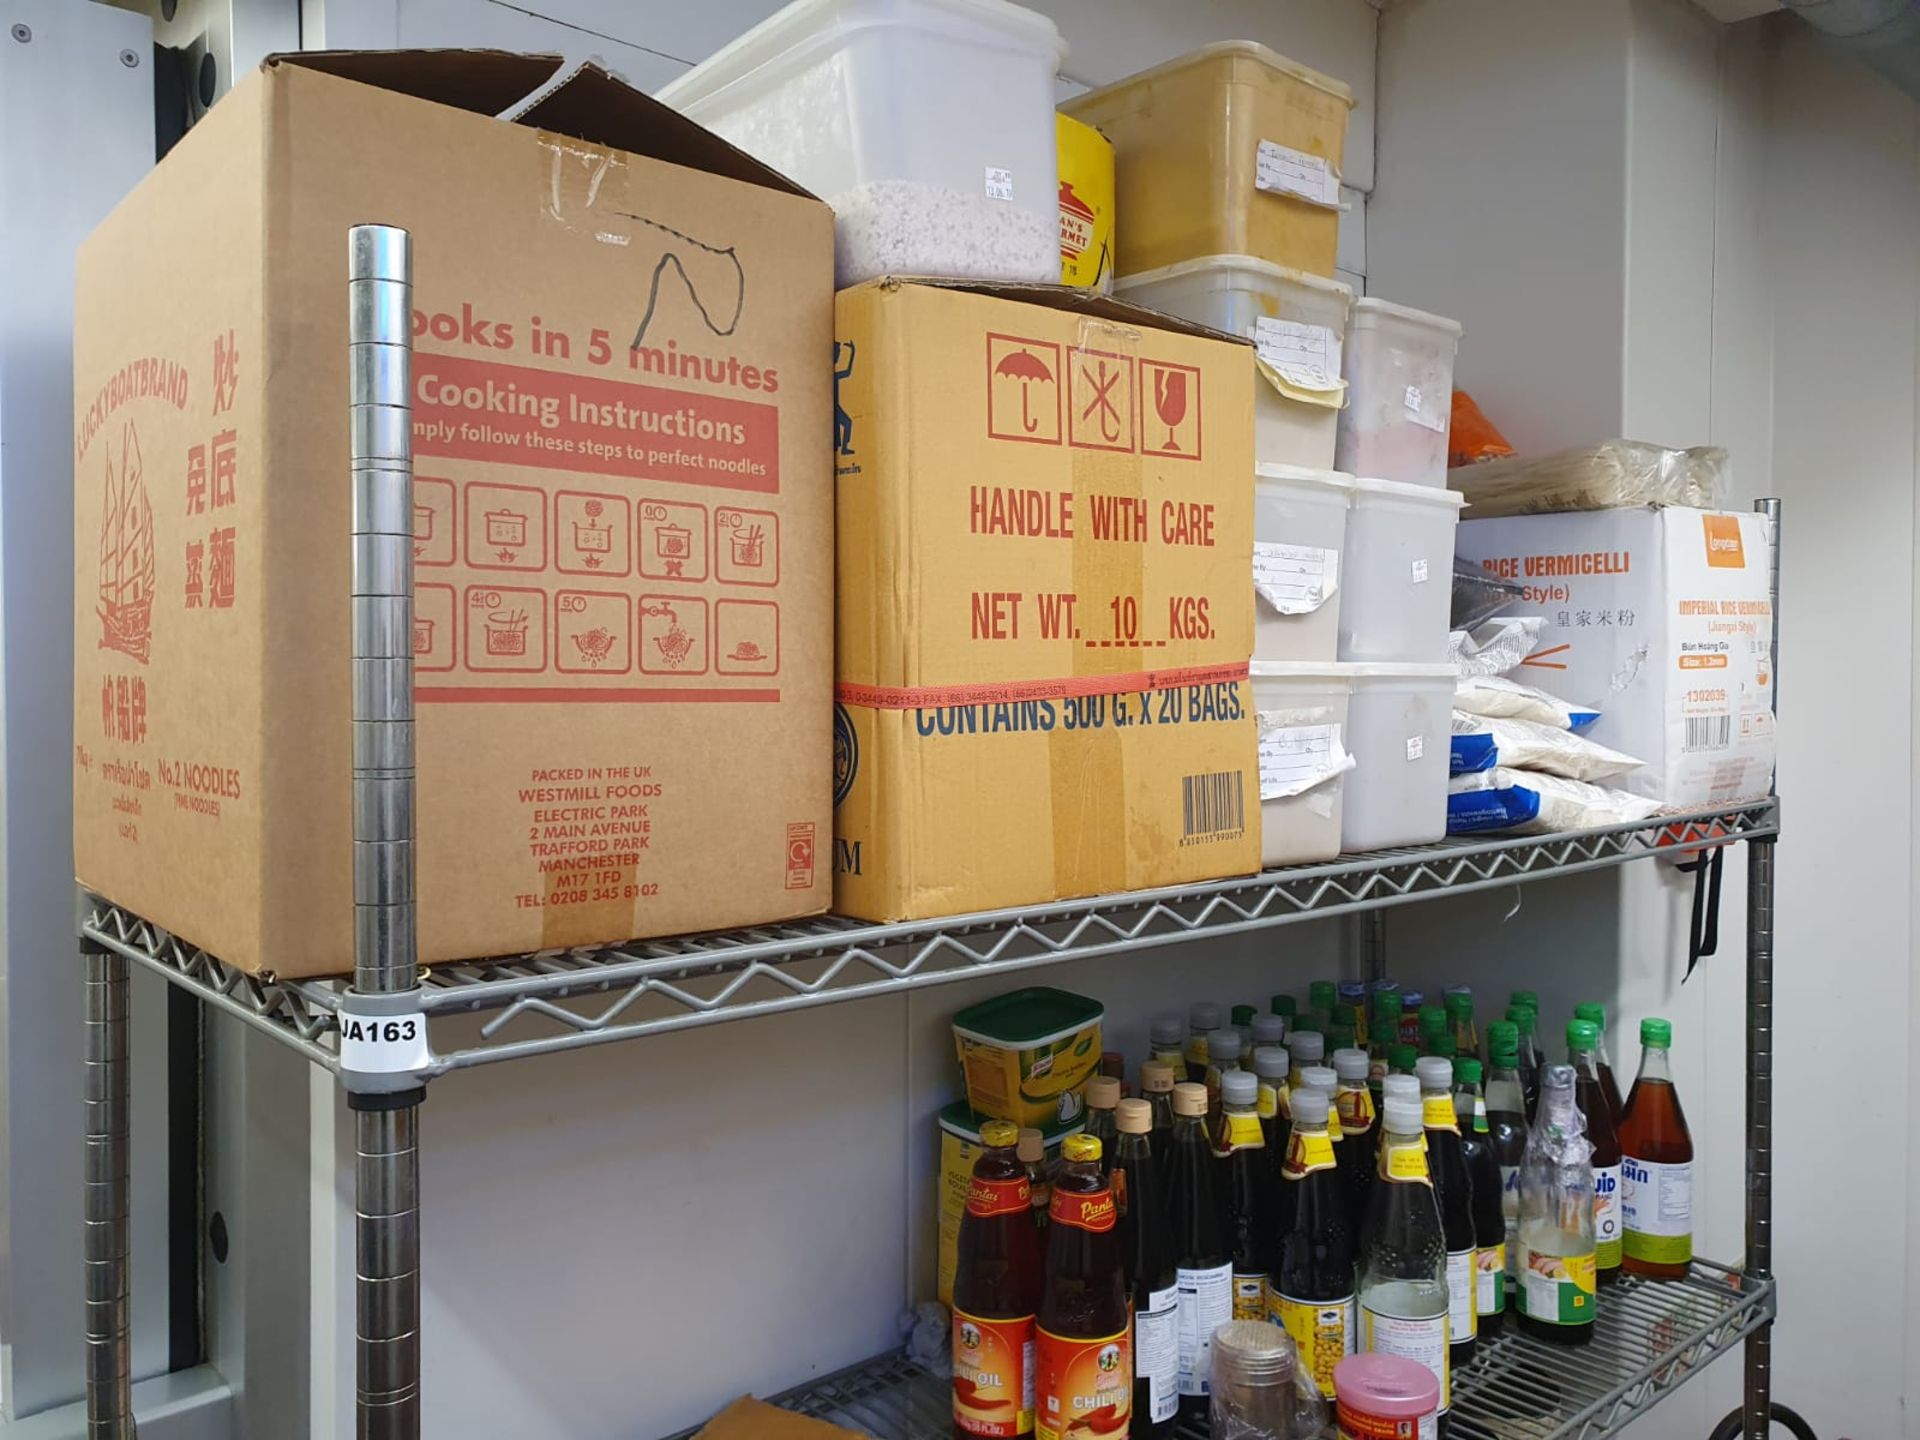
<point>925,697</point>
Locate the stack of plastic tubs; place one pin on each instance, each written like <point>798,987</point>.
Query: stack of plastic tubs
<point>926,124</point>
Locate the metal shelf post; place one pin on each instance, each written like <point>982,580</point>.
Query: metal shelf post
<point>109,1365</point>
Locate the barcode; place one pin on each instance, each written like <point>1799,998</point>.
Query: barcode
<point>1212,803</point>
<point>1708,732</point>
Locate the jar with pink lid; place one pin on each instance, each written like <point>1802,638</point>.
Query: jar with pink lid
<point>1385,1397</point>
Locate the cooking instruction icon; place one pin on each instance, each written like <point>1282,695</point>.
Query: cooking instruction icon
<point>673,635</point>
<point>746,637</point>
<point>593,532</point>
<point>506,527</point>
<point>673,540</point>
<point>748,545</point>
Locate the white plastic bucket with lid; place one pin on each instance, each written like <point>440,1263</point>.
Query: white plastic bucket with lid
<point>1400,730</point>
<point>1299,534</point>
<point>1300,711</point>
<point>1397,571</point>
<point>1399,369</point>
<point>926,124</point>
<point>1298,323</point>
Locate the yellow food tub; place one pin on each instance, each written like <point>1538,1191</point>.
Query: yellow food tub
<point>1027,1055</point>
<point>1230,150</point>
<point>1086,205</point>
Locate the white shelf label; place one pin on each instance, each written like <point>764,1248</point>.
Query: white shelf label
<point>1416,746</point>
<point>1306,355</point>
<point>1286,171</point>
<point>1419,570</point>
<point>999,183</point>
<point>1294,579</point>
<point>384,1044</point>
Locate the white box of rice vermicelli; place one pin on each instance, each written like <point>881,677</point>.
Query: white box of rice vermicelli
<point>1661,618</point>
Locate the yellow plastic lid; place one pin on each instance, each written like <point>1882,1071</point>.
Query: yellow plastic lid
<point>1081,1147</point>
<point>999,1134</point>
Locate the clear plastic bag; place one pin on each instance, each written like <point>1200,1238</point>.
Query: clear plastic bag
<point>1613,475</point>
<point>1476,594</point>
<point>1493,647</point>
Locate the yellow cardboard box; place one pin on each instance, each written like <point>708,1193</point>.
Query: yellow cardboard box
<point>1044,622</point>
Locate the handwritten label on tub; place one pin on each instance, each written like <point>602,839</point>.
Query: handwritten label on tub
<point>1286,171</point>
<point>1424,415</point>
<point>1295,758</point>
<point>1416,746</point>
<point>1305,355</point>
<point>999,183</point>
<point>1294,579</point>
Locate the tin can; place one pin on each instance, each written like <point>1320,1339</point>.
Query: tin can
<point>1086,205</point>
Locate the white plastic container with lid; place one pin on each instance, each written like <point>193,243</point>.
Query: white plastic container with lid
<point>926,124</point>
<point>1399,725</point>
<point>1300,711</point>
<point>1399,369</point>
<point>1397,571</point>
<point>1299,532</point>
<point>1298,324</point>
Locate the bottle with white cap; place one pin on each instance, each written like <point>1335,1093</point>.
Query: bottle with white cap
<point>1354,1102</point>
<point>1203,1018</point>
<point>1311,1292</point>
<point>1307,1047</point>
<point>1453,1187</point>
<point>1223,1055</point>
<point>1270,1066</point>
<point>1247,1192</point>
<point>1203,1266</point>
<point>1166,1041</point>
<point>1268,1030</point>
<point>1403,1265</point>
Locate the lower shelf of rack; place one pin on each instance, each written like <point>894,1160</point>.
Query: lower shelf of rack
<point>1650,1339</point>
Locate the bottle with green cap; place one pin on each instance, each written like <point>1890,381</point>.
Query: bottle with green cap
<point>1529,998</point>
<point>1443,1047</point>
<point>1433,1024</point>
<point>1489,1223</point>
<point>1242,1020</point>
<point>1466,1035</point>
<point>1596,1012</point>
<point>1507,1123</point>
<point>1556,1220</point>
<point>1322,996</point>
<point>1402,1059</point>
<point>1656,1173</point>
<point>1583,1039</point>
<point>1525,1020</point>
<point>1341,1036</point>
<point>1383,1033</point>
<point>1286,1007</point>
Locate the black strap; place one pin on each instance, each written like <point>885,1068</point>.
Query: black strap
<point>1704,938</point>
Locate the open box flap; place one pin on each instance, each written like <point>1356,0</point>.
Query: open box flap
<point>586,102</point>
<point>1070,298</point>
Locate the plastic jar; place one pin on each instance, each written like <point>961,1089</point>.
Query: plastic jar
<point>1253,1388</point>
<point>1385,1397</point>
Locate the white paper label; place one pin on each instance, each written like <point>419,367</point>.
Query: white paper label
<point>1422,1339</point>
<point>1413,400</point>
<point>999,183</point>
<point>1286,171</point>
<point>1156,1352</point>
<point>1419,571</point>
<point>1462,1319</point>
<point>1206,1303</point>
<point>1656,1199</point>
<point>1307,355</point>
<point>384,1044</point>
<point>1424,415</point>
<point>1416,746</point>
<point>1294,579</point>
<point>1295,758</point>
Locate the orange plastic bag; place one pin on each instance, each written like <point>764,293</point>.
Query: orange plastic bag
<point>1473,437</point>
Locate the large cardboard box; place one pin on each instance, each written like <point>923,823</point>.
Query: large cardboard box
<point>1661,619</point>
<point>622,521</point>
<point>1044,615</point>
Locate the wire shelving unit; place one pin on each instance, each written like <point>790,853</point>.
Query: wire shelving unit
<point>377,1031</point>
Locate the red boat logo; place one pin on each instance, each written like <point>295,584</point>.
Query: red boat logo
<point>125,605</point>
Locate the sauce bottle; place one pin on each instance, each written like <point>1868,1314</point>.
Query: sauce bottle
<point>1656,1200</point>
<point>1466,1035</point>
<point>1203,1018</point>
<point>1103,1094</point>
<point>1557,1302</point>
<point>1033,1155</point>
<point>1167,1041</point>
<point>1453,1188</point>
<point>1355,1114</point>
<point>1286,1007</point>
<point>1507,1124</point>
<point>1523,1019</point>
<point>1401,1060</point>
<point>1489,1218</point>
<point>1322,996</point>
<point>1265,1030</point>
<point>1383,1033</point>
<point>1403,1255</point>
<point>1271,1065</point>
<point>1083,1354</point>
<point>1223,1055</point>
<point>1146,1252</point>
<point>1203,1266</point>
<point>1596,1012</point>
<point>996,1294</point>
<point>1411,1002</point>
<point>1305,1047</point>
<point>1433,1024</point>
<point>1241,1018</point>
<point>1353,994</point>
<point>1583,1038</point>
<point>1156,1087</point>
<point>1247,1192</point>
<point>1311,1292</point>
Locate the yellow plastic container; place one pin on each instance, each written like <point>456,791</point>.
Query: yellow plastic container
<point>1086,205</point>
<point>1230,150</point>
<point>1026,1056</point>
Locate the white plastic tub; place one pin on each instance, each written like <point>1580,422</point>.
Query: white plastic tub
<point>1301,712</point>
<point>1298,323</point>
<point>926,124</point>
<point>1397,572</point>
<point>1399,369</point>
<point>1299,532</point>
<point>1399,728</point>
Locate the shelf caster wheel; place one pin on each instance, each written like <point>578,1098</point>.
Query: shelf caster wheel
<point>1729,1428</point>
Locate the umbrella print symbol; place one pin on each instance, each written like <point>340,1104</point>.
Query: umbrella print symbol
<point>1026,367</point>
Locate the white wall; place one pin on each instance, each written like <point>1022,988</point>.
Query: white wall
<point>617,1242</point>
